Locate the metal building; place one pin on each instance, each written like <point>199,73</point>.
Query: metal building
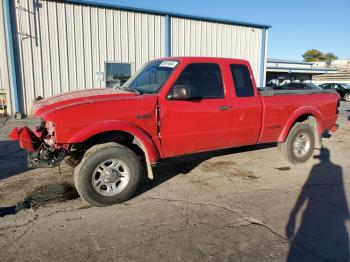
<point>50,47</point>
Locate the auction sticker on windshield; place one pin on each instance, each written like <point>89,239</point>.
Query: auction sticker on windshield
<point>170,64</point>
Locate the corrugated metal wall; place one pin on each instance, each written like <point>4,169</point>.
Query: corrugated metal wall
<point>5,77</point>
<point>201,38</point>
<point>62,46</point>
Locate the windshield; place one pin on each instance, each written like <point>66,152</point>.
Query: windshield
<point>149,78</point>
<point>346,86</point>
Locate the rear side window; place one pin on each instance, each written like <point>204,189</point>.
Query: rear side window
<point>243,82</point>
<point>203,79</point>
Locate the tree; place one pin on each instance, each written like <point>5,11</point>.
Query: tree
<point>329,57</point>
<point>313,55</point>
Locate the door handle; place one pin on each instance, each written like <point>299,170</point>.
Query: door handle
<point>224,108</point>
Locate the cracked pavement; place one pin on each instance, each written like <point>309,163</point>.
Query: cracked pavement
<point>245,204</point>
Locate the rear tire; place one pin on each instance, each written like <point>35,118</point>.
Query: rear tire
<point>108,174</point>
<point>299,145</point>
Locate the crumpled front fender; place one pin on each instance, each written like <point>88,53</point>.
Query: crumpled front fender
<point>147,144</point>
<point>26,138</point>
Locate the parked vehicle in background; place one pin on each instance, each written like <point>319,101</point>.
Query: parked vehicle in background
<point>171,107</point>
<point>299,86</point>
<point>342,89</point>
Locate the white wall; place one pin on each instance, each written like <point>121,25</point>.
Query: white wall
<point>201,38</point>
<point>5,76</point>
<point>62,46</point>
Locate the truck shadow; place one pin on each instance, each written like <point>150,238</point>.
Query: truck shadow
<point>13,160</point>
<point>42,196</point>
<point>172,167</point>
<point>55,193</point>
<point>322,234</point>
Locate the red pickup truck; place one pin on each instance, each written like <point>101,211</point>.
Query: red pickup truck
<point>170,107</point>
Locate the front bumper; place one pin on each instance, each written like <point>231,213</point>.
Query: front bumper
<point>27,139</point>
<point>40,154</point>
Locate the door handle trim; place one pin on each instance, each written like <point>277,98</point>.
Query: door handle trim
<point>225,108</point>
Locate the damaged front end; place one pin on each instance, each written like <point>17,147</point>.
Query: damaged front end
<point>40,144</point>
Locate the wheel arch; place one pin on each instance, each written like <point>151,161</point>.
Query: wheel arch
<point>125,129</point>
<point>310,114</point>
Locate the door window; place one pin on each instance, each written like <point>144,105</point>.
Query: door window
<point>243,82</point>
<point>203,79</point>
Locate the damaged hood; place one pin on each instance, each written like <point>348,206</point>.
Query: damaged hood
<point>75,98</point>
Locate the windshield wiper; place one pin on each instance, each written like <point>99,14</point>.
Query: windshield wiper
<point>137,91</point>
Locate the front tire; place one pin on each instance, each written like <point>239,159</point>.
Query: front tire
<point>108,174</point>
<point>300,144</point>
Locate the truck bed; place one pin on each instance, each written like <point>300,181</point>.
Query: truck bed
<point>282,107</point>
<point>278,92</point>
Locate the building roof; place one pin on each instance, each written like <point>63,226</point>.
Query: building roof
<point>158,12</point>
<point>284,61</point>
<point>290,66</point>
<point>314,70</point>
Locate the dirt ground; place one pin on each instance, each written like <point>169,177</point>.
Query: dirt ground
<point>245,204</point>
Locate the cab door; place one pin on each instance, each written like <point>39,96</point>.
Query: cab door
<point>247,105</point>
<point>204,120</point>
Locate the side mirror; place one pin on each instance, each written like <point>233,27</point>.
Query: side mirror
<point>179,92</point>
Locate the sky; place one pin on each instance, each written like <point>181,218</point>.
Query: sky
<point>297,25</point>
